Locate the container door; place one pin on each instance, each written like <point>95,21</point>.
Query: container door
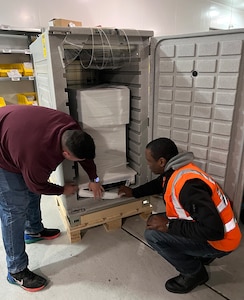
<point>197,100</point>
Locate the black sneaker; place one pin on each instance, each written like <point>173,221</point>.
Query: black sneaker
<point>182,284</point>
<point>45,234</point>
<point>28,280</point>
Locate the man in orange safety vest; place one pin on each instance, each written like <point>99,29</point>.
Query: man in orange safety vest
<point>198,225</point>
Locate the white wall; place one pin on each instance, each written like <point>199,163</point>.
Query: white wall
<point>162,16</point>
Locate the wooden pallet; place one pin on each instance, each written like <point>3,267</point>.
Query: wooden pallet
<point>110,218</point>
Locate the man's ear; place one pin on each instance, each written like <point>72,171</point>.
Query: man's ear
<point>66,154</point>
<point>162,162</point>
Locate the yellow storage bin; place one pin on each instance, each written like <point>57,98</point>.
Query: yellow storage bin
<point>27,98</point>
<point>4,72</point>
<point>5,68</point>
<point>27,69</point>
<point>2,102</point>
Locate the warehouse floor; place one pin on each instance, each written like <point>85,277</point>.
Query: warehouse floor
<point>115,265</point>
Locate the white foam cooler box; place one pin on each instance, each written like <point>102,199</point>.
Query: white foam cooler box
<point>188,88</point>
<point>103,112</point>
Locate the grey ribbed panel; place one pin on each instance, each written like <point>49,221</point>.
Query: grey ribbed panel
<point>198,101</point>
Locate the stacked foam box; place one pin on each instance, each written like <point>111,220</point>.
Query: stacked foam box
<point>104,113</point>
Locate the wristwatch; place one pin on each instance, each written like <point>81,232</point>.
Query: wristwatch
<point>97,179</point>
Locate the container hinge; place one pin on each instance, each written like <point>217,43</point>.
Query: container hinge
<point>149,49</point>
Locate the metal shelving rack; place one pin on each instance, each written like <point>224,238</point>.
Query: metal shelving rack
<point>14,48</point>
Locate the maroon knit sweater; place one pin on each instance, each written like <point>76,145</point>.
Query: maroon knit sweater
<point>30,144</point>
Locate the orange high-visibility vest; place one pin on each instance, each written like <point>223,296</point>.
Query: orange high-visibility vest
<point>174,209</point>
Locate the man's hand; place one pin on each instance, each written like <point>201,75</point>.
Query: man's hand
<point>125,191</point>
<point>158,222</point>
<point>70,189</point>
<point>97,189</point>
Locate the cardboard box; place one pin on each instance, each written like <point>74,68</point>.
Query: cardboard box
<point>64,23</point>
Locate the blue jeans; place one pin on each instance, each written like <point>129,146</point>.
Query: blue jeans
<point>19,212</point>
<point>183,253</point>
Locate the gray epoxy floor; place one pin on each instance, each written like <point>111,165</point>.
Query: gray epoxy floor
<point>115,265</point>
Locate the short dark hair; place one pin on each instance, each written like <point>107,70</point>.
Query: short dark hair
<point>162,147</point>
<point>80,143</point>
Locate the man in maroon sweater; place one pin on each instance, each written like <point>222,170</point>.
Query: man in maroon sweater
<point>34,141</point>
